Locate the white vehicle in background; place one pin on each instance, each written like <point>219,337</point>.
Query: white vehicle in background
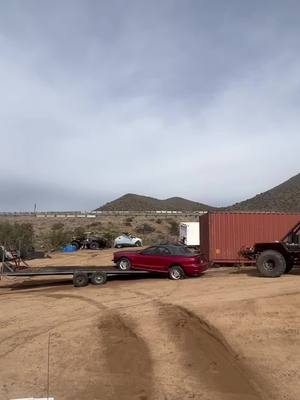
<point>127,240</point>
<point>189,233</point>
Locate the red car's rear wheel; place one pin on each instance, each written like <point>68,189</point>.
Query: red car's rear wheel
<point>176,273</point>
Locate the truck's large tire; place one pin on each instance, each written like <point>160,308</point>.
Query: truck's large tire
<point>271,263</point>
<point>289,267</point>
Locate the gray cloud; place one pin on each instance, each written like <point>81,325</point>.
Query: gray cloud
<point>196,99</point>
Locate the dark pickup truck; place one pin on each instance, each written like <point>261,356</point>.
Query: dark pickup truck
<point>276,258</point>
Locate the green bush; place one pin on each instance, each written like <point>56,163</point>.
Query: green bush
<point>128,221</point>
<point>95,224</point>
<point>110,236</point>
<point>173,227</point>
<point>17,237</point>
<point>145,229</point>
<point>79,231</point>
<point>58,238</point>
<point>57,225</point>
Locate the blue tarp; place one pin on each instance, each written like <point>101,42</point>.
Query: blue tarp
<point>69,248</point>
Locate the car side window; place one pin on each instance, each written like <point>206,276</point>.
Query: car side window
<point>163,251</point>
<point>151,251</point>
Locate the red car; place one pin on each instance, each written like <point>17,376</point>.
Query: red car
<point>175,260</point>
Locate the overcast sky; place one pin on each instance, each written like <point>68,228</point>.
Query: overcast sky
<point>190,98</point>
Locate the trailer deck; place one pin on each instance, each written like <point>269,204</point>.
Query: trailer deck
<point>81,275</point>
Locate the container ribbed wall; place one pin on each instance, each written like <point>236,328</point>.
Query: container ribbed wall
<point>223,234</point>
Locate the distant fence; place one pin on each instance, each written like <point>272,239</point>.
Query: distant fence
<point>95,214</point>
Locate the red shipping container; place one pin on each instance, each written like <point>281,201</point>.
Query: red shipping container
<point>223,234</point>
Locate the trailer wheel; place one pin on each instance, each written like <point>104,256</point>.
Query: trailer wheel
<point>271,263</point>
<point>176,273</point>
<point>80,279</point>
<point>98,278</point>
<point>124,264</point>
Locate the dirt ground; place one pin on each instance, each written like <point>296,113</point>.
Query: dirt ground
<point>228,335</point>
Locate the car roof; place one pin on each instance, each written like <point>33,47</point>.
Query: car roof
<point>169,246</point>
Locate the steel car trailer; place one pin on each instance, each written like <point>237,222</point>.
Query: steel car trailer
<point>81,275</point>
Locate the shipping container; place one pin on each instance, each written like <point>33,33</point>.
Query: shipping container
<point>189,233</point>
<point>223,234</point>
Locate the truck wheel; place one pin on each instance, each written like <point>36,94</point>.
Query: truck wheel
<point>80,279</point>
<point>271,263</point>
<point>98,278</point>
<point>176,273</point>
<point>138,244</point>
<point>289,267</point>
<point>94,246</point>
<point>124,264</point>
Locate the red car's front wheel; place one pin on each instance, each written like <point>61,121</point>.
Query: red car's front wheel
<point>124,264</point>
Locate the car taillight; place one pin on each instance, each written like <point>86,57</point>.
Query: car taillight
<point>198,260</point>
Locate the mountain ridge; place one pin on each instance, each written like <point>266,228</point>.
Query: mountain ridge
<point>284,197</point>
<point>135,202</point>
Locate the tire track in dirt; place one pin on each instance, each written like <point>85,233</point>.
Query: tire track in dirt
<point>127,359</point>
<point>118,359</point>
<point>212,369</point>
<point>126,371</point>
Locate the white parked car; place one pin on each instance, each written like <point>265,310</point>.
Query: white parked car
<point>127,240</point>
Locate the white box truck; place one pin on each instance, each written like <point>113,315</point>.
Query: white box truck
<point>189,233</point>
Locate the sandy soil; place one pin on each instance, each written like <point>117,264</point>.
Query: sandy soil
<point>227,335</point>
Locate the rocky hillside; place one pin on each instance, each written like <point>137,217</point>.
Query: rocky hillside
<point>134,202</point>
<point>285,198</point>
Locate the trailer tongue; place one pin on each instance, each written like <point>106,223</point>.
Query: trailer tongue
<point>81,275</point>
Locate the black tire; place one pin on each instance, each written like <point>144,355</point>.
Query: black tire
<point>98,278</point>
<point>80,279</point>
<point>271,263</point>
<point>75,244</point>
<point>124,264</point>
<point>94,246</point>
<point>176,273</point>
<point>118,246</point>
<point>289,267</point>
<point>102,243</point>
<point>138,244</point>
